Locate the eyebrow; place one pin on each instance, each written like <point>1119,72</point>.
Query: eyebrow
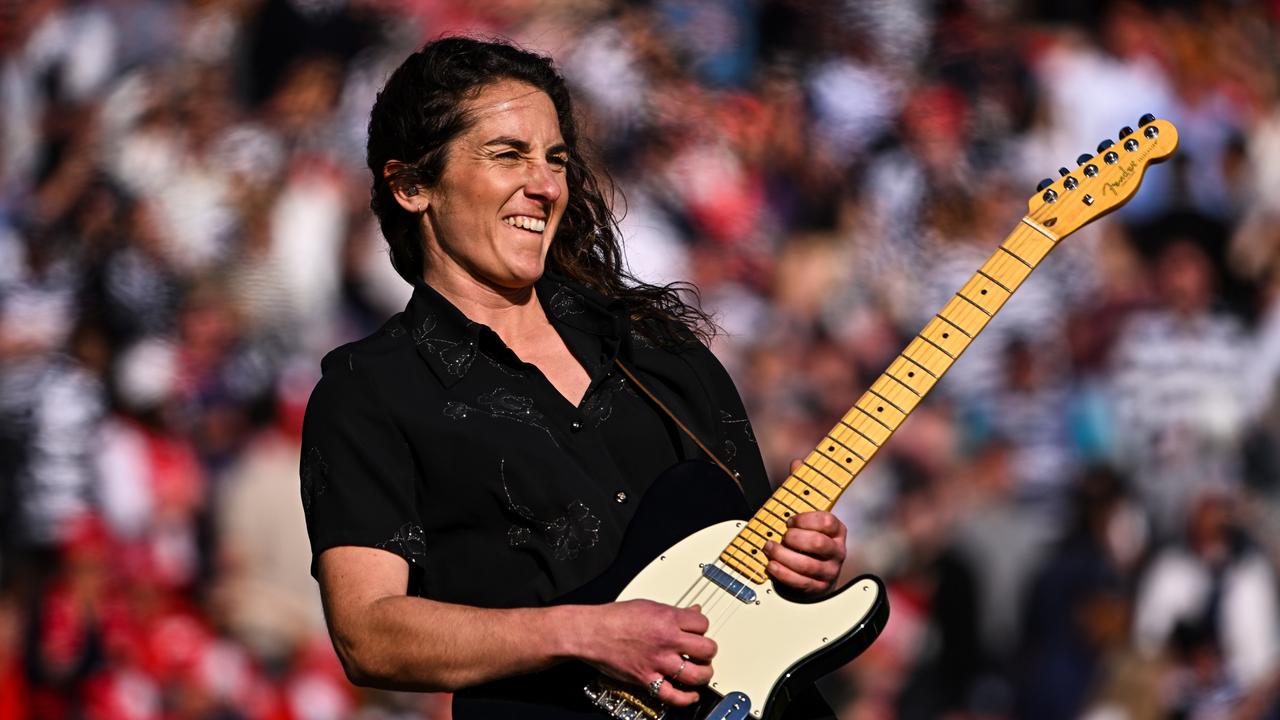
<point>524,147</point>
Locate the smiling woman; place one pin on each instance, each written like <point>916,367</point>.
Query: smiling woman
<point>482,455</point>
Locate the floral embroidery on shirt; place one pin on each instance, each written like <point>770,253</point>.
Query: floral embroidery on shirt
<point>566,302</point>
<point>729,419</point>
<point>568,535</point>
<point>502,403</point>
<point>409,542</point>
<point>456,356</point>
<point>315,472</point>
<point>598,407</point>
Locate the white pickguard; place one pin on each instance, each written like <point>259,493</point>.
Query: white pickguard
<point>758,643</point>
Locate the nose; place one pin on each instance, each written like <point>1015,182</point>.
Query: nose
<point>544,182</point>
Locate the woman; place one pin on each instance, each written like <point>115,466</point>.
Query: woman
<point>481,455</point>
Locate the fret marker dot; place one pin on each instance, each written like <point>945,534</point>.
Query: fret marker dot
<point>769,534</point>
<point>984,292</point>
<point>946,335</point>
<point>806,492</point>
<point>880,409</point>
<point>831,448</point>
<point>848,459</point>
<point>911,374</point>
<point>753,551</point>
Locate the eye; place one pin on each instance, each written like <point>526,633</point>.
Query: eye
<point>561,160</point>
<point>508,155</point>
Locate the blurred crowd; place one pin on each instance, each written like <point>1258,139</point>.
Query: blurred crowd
<point>1083,520</point>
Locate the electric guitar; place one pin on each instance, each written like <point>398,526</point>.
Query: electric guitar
<point>690,541</point>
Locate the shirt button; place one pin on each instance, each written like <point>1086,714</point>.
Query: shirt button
<point>621,497</point>
<point>576,425</point>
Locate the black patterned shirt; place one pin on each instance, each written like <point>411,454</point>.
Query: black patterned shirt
<point>432,440</point>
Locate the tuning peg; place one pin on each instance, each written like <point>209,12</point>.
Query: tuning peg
<point>1104,145</point>
<point>1084,158</point>
<point>1063,172</point>
<point>1146,119</point>
<point>1044,184</point>
<point>1125,132</point>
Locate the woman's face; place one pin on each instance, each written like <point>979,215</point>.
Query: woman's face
<point>504,189</point>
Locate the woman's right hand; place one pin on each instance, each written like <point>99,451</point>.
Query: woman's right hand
<point>638,641</point>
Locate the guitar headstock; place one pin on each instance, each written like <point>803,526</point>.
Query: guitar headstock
<point>1103,182</point>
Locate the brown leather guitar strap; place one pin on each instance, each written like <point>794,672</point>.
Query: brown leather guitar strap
<point>684,428</point>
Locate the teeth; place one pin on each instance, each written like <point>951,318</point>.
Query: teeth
<point>526,222</point>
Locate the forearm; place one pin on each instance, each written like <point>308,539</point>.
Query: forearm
<point>409,643</point>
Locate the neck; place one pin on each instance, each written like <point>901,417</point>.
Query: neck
<point>510,312</point>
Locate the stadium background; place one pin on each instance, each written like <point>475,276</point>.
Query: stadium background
<point>1081,522</point>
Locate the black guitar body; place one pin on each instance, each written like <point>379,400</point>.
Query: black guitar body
<point>686,498</point>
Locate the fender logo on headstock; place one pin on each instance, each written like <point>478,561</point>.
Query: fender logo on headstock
<point>1126,172</point>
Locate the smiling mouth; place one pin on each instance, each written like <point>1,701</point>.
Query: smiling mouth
<point>524,222</point>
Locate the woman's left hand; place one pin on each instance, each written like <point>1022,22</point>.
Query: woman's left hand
<point>809,557</point>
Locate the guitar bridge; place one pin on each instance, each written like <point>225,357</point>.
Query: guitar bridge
<point>621,703</point>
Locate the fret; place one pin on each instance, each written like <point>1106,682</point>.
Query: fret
<point>811,494</point>
<point>839,452</point>
<point>965,298</point>
<point>778,518</point>
<point>928,357</point>
<point>909,373</point>
<point>985,293</point>
<point>887,429</point>
<point>965,315</point>
<point>745,547</point>
<point>950,322</point>
<point>749,529</point>
<point>795,502</point>
<point>943,335</point>
<point>824,483</point>
<point>902,396</point>
<point>764,529</point>
<point>839,472</point>
<point>832,478</point>
<point>770,521</point>
<point>1032,246</point>
<point>1006,270</point>
<point>858,435</point>
<point>867,426</point>
<point>780,509</point>
<point>1006,288</point>
<point>1015,256</point>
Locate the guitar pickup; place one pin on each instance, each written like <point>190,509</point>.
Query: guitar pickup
<point>729,583</point>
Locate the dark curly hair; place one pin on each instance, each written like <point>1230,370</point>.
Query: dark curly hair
<point>420,111</point>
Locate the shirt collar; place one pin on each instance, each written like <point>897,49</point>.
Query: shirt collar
<point>448,341</point>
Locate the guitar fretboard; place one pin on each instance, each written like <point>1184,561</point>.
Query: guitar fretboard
<point>829,470</point>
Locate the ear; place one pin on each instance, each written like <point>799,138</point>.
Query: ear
<point>409,196</point>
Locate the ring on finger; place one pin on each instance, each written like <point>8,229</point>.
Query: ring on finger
<point>683,661</point>
<point>655,687</point>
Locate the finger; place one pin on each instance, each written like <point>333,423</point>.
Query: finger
<point>822,570</point>
<point>671,694</point>
<point>692,620</point>
<point>694,674</point>
<point>811,542</point>
<point>818,521</point>
<point>796,465</point>
<point>795,580</point>
<point>697,648</point>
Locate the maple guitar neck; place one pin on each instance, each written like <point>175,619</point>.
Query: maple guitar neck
<point>1100,185</point>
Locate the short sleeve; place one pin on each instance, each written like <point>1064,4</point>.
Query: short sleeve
<point>357,474</point>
